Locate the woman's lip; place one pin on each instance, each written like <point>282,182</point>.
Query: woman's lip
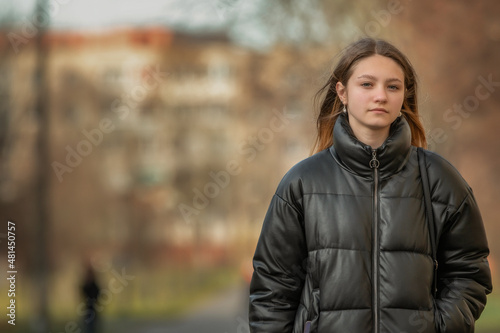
<point>378,109</point>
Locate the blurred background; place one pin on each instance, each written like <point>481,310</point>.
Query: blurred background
<point>141,142</point>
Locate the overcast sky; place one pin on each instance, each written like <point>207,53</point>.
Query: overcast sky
<point>250,22</point>
<point>95,14</point>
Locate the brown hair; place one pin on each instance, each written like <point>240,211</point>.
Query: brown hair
<point>331,106</point>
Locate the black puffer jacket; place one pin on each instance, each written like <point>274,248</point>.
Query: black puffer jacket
<point>345,247</point>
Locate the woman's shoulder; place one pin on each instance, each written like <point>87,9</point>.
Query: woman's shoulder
<point>445,180</point>
<point>439,166</point>
<point>309,167</point>
<point>306,171</point>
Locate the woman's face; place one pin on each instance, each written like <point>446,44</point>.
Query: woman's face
<point>374,95</point>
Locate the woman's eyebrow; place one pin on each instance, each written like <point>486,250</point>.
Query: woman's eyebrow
<point>371,77</point>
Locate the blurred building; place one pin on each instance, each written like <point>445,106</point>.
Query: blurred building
<point>141,121</point>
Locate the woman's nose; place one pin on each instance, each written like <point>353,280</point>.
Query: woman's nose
<point>380,95</point>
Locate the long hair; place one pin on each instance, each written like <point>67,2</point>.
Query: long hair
<point>331,106</point>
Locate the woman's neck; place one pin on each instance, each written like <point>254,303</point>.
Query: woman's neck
<point>373,138</point>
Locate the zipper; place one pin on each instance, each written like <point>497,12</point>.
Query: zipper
<point>374,164</point>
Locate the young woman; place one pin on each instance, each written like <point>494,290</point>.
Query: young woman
<point>346,243</point>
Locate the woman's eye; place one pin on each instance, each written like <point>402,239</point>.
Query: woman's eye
<point>393,87</point>
<point>366,84</point>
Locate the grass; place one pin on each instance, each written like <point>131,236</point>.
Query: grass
<point>166,294</point>
<point>490,319</point>
<point>185,290</point>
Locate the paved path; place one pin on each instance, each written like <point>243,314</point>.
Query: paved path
<point>227,313</point>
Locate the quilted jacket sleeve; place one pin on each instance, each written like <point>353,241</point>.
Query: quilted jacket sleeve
<point>278,276</point>
<point>464,277</point>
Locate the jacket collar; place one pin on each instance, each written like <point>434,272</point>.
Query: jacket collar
<point>356,156</point>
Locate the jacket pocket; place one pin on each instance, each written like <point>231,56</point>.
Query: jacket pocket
<point>437,316</point>
<point>311,324</point>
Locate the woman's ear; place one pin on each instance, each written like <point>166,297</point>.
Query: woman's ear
<point>341,92</point>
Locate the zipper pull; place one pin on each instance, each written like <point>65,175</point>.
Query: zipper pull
<point>307,327</point>
<point>374,163</point>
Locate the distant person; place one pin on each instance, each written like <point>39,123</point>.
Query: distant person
<point>90,291</point>
<point>370,234</point>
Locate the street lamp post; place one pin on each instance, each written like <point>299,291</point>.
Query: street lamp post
<point>42,199</point>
